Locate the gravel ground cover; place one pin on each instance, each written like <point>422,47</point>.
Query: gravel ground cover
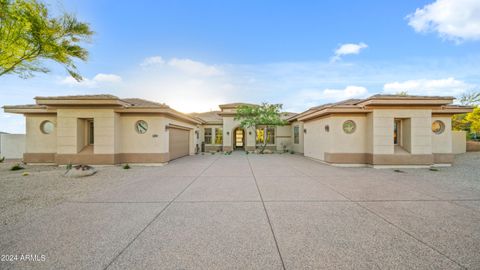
<point>240,211</point>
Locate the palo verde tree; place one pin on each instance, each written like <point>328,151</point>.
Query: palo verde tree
<point>469,122</point>
<point>29,35</point>
<point>268,115</point>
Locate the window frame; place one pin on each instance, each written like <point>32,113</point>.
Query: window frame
<point>209,136</point>
<point>218,134</point>
<point>296,134</point>
<point>264,130</point>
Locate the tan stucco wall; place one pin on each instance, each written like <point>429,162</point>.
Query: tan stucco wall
<point>348,143</point>
<point>67,127</point>
<point>36,140</point>
<point>406,130</point>
<point>421,137</point>
<point>297,148</point>
<point>229,125</point>
<point>155,140</point>
<point>283,137</point>
<point>442,143</point>
<point>152,141</point>
<point>459,142</point>
<point>316,140</point>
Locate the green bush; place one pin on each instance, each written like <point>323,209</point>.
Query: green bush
<point>69,166</point>
<point>2,159</point>
<point>126,167</point>
<point>292,152</point>
<point>16,167</point>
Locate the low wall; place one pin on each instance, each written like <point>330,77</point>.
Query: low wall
<point>459,142</point>
<point>473,146</point>
<point>12,146</point>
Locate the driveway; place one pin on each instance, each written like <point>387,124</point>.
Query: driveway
<point>258,212</point>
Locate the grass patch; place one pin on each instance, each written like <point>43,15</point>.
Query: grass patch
<point>434,169</point>
<point>398,171</point>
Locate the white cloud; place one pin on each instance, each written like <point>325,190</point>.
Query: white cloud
<point>98,80</point>
<point>456,20</point>
<point>313,97</point>
<point>194,67</point>
<point>348,48</point>
<point>154,60</point>
<point>350,91</point>
<point>440,87</point>
<point>108,78</point>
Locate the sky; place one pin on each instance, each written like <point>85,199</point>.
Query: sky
<point>194,55</point>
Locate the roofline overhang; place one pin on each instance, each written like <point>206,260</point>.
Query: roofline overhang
<point>328,111</point>
<point>406,101</point>
<point>166,111</point>
<point>82,101</point>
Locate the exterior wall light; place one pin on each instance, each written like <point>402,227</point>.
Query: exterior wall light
<point>228,133</point>
<point>305,130</point>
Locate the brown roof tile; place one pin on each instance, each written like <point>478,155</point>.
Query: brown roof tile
<point>138,102</point>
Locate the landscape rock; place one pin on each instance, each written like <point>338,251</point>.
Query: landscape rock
<point>80,171</point>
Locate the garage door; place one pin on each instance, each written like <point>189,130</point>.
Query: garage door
<point>179,143</point>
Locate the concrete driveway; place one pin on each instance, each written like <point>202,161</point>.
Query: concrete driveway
<point>261,212</point>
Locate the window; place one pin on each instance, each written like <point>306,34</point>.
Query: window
<point>260,135</point>
<point>208,135</point>
<point>268,132</point>
<point>271,135</point>
<point>47,127</point>
<point>349,126</point>
<point>141,127</point>
<point>296,135</point>
<point>438,127</point>
<point>91,132</point>
<point>397,125</point>
<point>218,136</point>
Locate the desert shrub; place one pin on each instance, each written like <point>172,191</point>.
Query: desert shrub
<point>16,167</point>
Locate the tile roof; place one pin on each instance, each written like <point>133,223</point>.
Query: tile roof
<point>102,96</point>
<point>138,102</point>
<point>211,116</point>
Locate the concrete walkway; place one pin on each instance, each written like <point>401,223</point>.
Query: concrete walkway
<point>261,212</point>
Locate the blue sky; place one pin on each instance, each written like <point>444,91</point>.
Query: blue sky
<point>194,55</point>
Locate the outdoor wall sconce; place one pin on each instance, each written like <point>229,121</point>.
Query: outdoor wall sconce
<point>166,127</point>
<point>305,130</point>
<point>249,133</point>
<point>155,136</point>
<point>327,128</point>
<point>228,133</point>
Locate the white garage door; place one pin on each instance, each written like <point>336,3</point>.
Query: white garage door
<point>179,145</point>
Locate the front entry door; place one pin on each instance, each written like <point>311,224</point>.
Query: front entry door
<point>239,138</point>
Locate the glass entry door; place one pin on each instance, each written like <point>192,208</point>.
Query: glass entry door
<point>397,132</point>
<point>239,138</point>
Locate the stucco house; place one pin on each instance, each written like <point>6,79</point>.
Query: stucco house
<point>104,129</point>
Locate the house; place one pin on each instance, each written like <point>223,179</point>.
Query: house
<point>104,129</point>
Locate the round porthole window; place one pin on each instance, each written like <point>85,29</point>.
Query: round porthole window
<point>349,126</point>
<point>141,127</point>
<point>47,127</point>
<point>438,127</point>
